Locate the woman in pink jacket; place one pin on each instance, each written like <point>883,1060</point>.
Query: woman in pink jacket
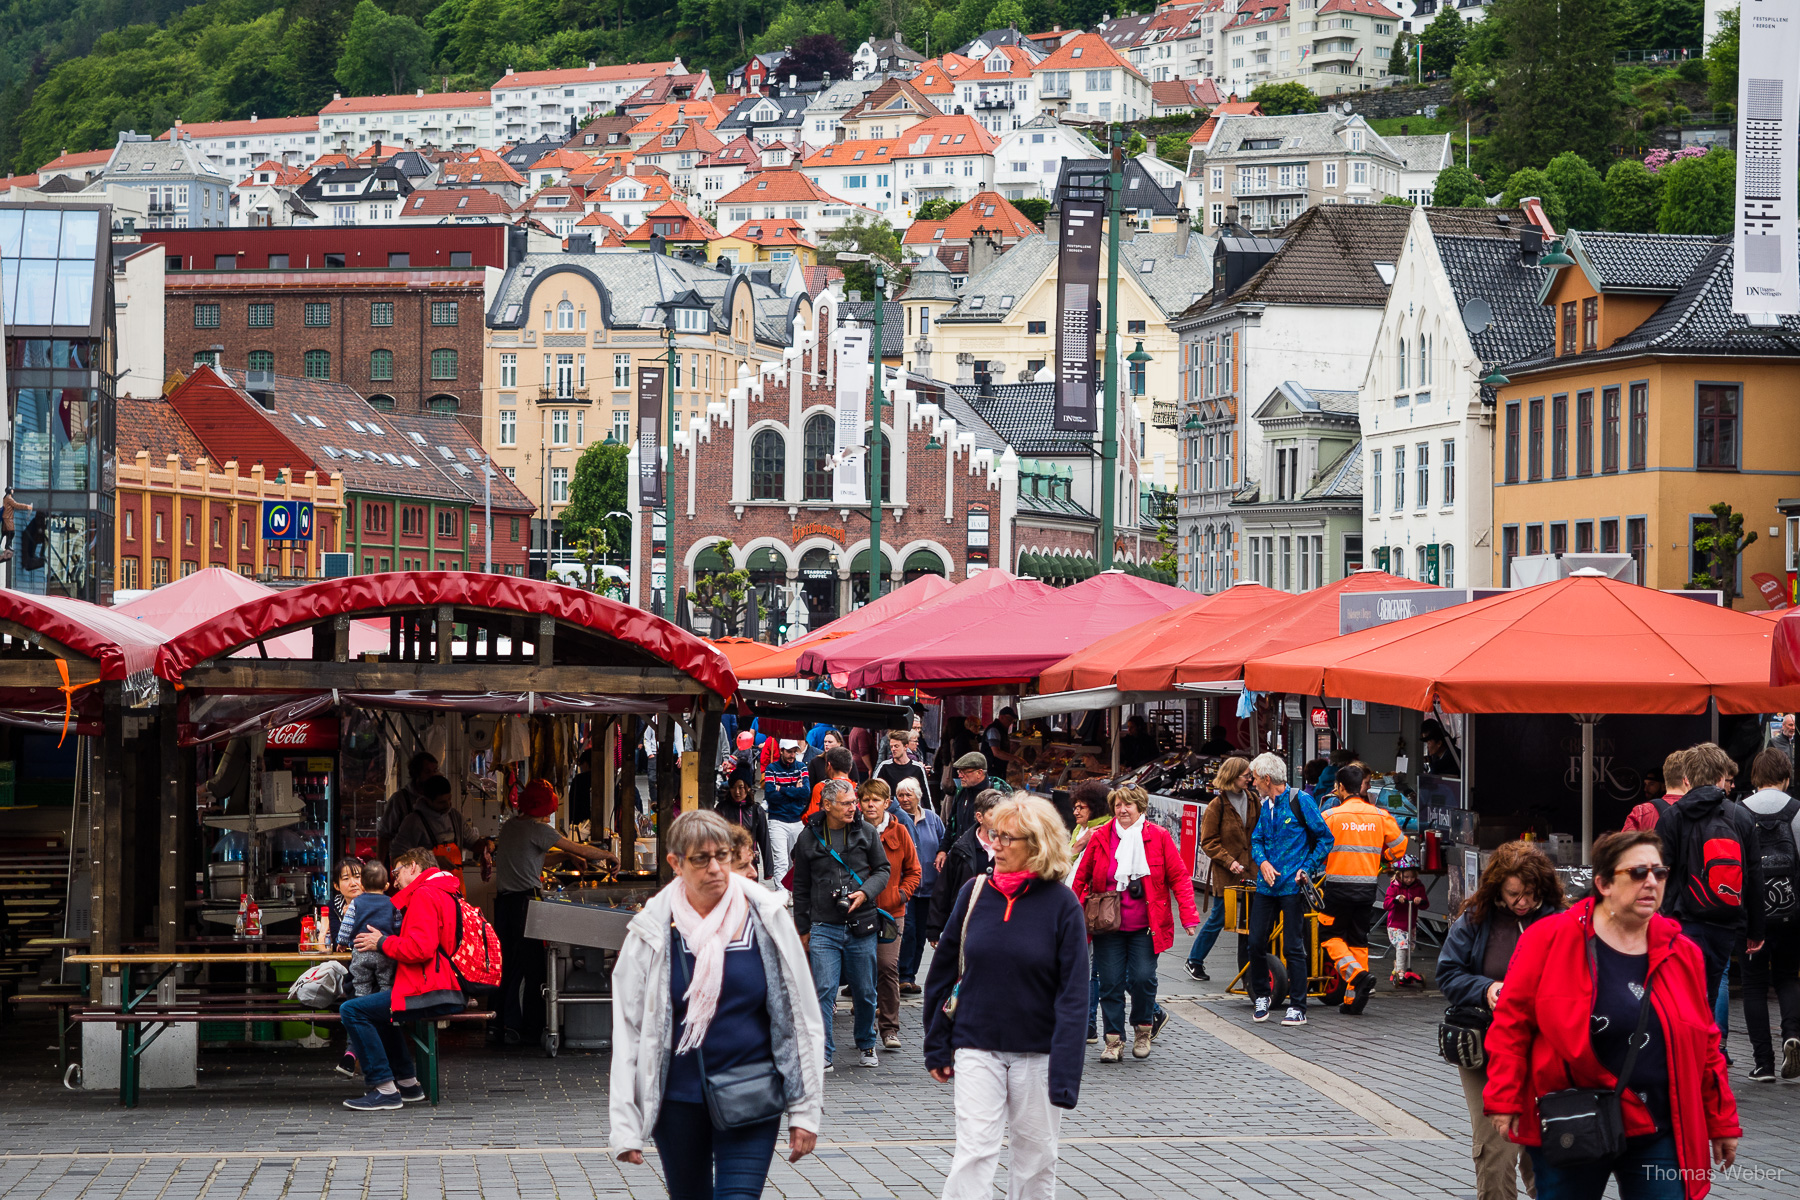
<point>1140,861</point>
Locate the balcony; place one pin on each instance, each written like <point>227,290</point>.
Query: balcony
<point>1268,189</point>
<point>994,102</point>
<point>1163,414</point>
<point>1337,51</point>
<point>548,394</point>
<point>1054,91</point>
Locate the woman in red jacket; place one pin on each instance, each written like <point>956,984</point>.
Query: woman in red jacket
<point>1138,860</point>
<point>1568,1012</point>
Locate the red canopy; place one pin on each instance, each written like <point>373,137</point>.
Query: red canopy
<point>273,614</point>
<point>1585,644</point>
<point>1306,618</point>
<point>973,599</point>
<point>1192,625</point>
<point>782,664</point>
<point>179,605</point>
<point>119,645</point>
<point>1014,640</point>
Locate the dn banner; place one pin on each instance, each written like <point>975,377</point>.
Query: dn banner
<point>1077,312</point>
<point>852,395</point>
<point>1768,271</point>
<point>650,407</point>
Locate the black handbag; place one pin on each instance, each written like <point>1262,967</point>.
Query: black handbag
<point>1462,1035</point>
<point>737,1096</point>
<point>1581,1126</point>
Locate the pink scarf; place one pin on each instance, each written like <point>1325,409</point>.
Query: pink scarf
<point>1009,882</point>
<point>706,936</point>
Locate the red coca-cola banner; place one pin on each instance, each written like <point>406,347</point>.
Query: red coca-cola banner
<point>304,735</point>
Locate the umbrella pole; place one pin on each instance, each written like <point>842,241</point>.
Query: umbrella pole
<point>1587,793</point>
<point>1118,732</point>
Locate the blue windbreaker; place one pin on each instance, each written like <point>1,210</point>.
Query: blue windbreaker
<point>1284,841</point>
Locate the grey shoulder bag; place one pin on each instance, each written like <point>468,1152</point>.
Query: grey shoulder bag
<point>737,1096</point>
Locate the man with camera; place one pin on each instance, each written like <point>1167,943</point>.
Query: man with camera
<point>839,870</point>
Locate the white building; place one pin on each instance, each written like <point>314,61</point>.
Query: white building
<point>1086,77</point>
<point>1028,159</point>
<point>1422,156</point>
<point>448,120</point>
<point>185,191</point>
<point>533,104</point>
<point>1428,431</point>
<point>138,302</point>
<point>237,145</point>
<point>819,124</point>
<point>1272,169</point>
<point>1331,46</point>
<point>999,90</point>
<point>883,56</point>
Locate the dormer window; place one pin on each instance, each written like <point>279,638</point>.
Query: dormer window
<point>1076,52</point>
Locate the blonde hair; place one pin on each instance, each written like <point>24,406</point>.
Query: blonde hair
<point>1135,796</point>
<point>1042,828</point>
<point>1232,774</point>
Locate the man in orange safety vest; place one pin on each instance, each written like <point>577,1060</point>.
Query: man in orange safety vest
<point>1364,837</point>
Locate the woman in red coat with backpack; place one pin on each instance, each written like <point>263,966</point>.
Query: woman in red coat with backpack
<point>1581,983</point>
<point>1140,861</point>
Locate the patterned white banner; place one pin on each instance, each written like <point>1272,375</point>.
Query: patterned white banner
<point>852,401</point>
<point>1768,269</point>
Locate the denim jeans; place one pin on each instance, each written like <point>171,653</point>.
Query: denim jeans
<point>1648,1170</point>
<point>1126,960</point>
<point>382,1048</point>
<point>838,957</point>
<point>1292,911</point>
<point>703,1163</point>
<point>1209,932</point>
<point>912,938</point>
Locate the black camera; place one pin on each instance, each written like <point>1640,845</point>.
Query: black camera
<point>841,898</point>
<point>1135,889</point>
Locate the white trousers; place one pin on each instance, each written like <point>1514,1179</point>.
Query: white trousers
<point>1003,1096</point>
<point>782,836</point>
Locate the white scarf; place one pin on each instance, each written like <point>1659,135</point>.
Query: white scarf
<point>706,936</point>
<point>1129,860</point>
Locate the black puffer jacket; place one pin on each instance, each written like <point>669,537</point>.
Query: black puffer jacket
<point>817,874</point>
<point>966,859</point>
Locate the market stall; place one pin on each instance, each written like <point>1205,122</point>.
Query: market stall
<point>179,605</point>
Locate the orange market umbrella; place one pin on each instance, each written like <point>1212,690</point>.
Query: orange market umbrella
<point>743,652</point>
<point>782,664</point>
<point>1192,625</point>
<point>1306,618</point>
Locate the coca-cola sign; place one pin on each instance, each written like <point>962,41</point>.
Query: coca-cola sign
<point>304,735</point>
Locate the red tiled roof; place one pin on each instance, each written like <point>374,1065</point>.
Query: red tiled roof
<point>654,189</point>
<point>739,151</point>
<point>989,211</point>
<point>563,160</point>
<point>150,424</point>
<point>820,278</point>
<point>1194,93</point>
<point>84,158</point>
<point>285,176</point>
<point>936,75</point>
<point>398,103</point>
<point>697,139</point>
<point>462,202</point>
<point>605,222</point>
<point>693,229</point>
<point>572,200</point>
<point>772,233</point>
<point>1366,8</point>
<point>210,129</point>
<point>779,187</point>
<point>21,181</point>
<point>1019,63</point>
<point>1086,52</point>
<point>680,112</point>
<point>466,173</point>
<point>1230,108</point>
<point>594,74</point>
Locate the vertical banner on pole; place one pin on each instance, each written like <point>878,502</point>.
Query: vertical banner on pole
<point>1078,311</point>
<point>1768,272</point>
<point>650,405</point>
<point>852,401</point>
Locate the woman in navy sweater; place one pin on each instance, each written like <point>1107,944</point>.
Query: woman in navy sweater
<point>1014,957</point>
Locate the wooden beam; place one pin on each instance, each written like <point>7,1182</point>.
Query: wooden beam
<point>709,749</point>
<point>545,646</point>
<point>168,903</point>
<point>108,847</point>
<point>444,633</point>
<point>291,675</point>
<point>667,791</point>
<point>42,672</point>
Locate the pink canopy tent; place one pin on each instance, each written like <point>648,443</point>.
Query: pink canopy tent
<point>974,599</point>
<point>181,604</point>
<point>1021,635</point>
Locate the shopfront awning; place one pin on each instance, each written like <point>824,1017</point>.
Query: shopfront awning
<point>1193,626</point>
<point>789,712</point>
<point>742,652</point>
<point>1584,644</point>
<point>53,649</point>
<point>1011,641</point>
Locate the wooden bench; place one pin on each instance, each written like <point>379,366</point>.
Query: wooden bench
<point>147,1026</point>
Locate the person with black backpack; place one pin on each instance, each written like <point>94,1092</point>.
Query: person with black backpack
<point>1777,817</point>
<point>1715,881</point>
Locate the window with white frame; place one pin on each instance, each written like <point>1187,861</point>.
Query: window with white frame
<point>509,427</point>
<point>621,370</point>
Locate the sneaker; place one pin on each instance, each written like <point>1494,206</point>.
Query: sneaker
<point>1294,1016</point>
<point>1093,1037</point>
<point>1140,1042</point>
<point>1115,1048</point>
<point>909,988</point>
<point>1790,1058</point>
<point>412,1093</point>
<point>829,1069</point>
<point>346,1066</point>
<point>376,1101</point>
<point>870,1058</point>
<point>1762,1074</point>
<point>1157,1022</point>
<point>1262,1009</point>
<point>1197,972</point>
<point>891,1041</point>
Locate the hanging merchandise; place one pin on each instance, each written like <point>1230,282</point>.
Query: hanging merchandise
<point>514,739</point>
<point>479,733</point>
<point>437,737</point>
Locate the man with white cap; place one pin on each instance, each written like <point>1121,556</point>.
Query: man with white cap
<point>787,794</point>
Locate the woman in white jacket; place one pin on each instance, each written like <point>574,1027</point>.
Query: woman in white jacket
<point>712,984</point>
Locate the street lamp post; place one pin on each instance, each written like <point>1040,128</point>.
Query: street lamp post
<point>689,301</point>
<point>1109,427</point>
<point>877,560</point>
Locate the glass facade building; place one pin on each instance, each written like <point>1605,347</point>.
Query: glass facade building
<point>56,297</point>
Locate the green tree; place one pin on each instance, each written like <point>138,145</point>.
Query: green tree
<point>1453,184</point>
<point>935,209</point>
<point>1533,182</point>
<point>864,235</point>
<point>1722,62</point>
<point>1633,197</point>
<point>601,485</point>
<point>1721,545</point>
<point>1173,149</point>
<point>1135,144</point>
<point>1698,194</point>
<point>1035,208</point>
<point>383,54</point>
<point>1554,88</point>
<point>473,40</point>
<point>723,593</point>
<point>1444,40</point>
<point>1397,201</point>
<point>1582,189</point>
<point>1284,99</point>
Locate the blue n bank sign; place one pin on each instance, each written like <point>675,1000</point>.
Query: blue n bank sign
<point>287,521</point>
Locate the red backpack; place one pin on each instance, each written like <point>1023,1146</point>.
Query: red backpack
<point>1714,858</point>
<point>476,961</point>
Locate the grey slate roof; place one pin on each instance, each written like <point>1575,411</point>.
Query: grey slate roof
<point>1653,263</point>
<point>1024,416</point>
<point>521,156</point>
<point>793,114</point>
<point>1420,152</point>
<point>893,322</point>
<point>1173,281</point>
<point>1328,256</point>
<point>1141,190</point>
<point>1299,134</point>
<point>1339,479</point>
<point>1489,268</point>
<point>1696,321</point>
<point>633,281</point>
<point>1320,400</point>
<point>166,161</point>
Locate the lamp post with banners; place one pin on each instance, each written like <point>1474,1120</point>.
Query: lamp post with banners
<point>686,313</point>
<point>877,560</point>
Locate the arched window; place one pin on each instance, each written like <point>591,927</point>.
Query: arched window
<point>1402,358</point>
<point>887,474</point>
<point>820,438</point>
<point>381,364</point>
<point>382,402</point>
<point>768,466</point>
<point>443,364</point>
<point>318,364</point>
<point>565,315</point>
<point>1424,359</point>
<point>443,404</point>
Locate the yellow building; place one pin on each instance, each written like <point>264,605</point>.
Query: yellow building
<point>776,241</point>
<point>1654,403</point>
<point>568,333</point>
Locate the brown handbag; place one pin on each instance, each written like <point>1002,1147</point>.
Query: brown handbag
<point>1102,912</point>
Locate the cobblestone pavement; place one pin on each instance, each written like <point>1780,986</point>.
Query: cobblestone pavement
<point>1223,1108</point>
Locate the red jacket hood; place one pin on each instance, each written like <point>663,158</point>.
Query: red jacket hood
<point>435,880</point>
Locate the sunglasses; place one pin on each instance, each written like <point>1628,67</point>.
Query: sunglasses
<point>1640,873</point>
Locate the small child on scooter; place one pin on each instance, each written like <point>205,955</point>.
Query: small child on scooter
<point>1403,903</point>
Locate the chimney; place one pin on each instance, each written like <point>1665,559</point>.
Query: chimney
<point>581,243</point>
<point>982,252</point>
<point>590,65</point>
<point>1403,128</point>
<point>1052,225</point>
<point>793,83</point>
<point>1183,227</point>
<point>337,95</point>
<point>656,245</point>
<point>1534,212</point>
<point>420,93</point>
<point>1531,244</point>
<point>509,70</point>
<point>840,133</point>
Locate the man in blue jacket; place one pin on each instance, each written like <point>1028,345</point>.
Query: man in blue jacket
<point>787,794</point>
<point>1290,838</point>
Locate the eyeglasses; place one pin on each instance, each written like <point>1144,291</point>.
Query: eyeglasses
<point>1640,873</point>
<point>701,861</point>
<point>1003,840</point>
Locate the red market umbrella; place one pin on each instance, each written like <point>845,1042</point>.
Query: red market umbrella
<point>972,600</point>
<point>1012,642</point>
<point>1306,618</point>
<point>926,589</point>
<point>179,605</point>
<point>1193,625</point>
